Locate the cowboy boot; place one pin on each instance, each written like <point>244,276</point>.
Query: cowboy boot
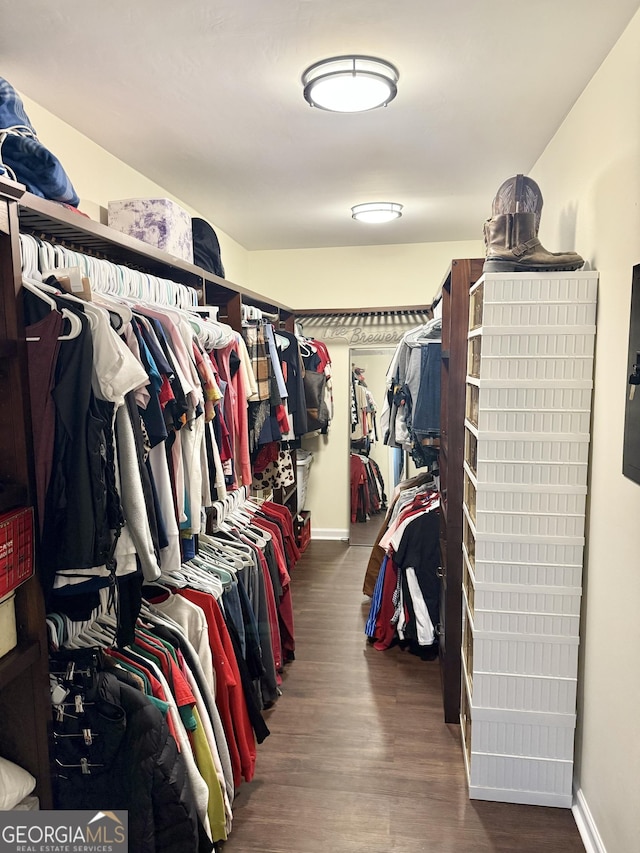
<point>512,245</point>
<point>518,195</point>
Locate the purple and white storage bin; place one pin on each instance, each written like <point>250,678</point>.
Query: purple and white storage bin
<point>158,221</point>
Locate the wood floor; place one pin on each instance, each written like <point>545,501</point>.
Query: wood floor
<point>359,760</point>
<point>365,532</point>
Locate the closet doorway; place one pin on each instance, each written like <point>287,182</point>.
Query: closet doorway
<point>371,462</point>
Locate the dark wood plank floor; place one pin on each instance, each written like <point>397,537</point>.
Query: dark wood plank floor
<point>359,760</point>
<point>365,532</point>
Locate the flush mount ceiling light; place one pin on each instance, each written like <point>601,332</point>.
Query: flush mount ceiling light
<point>377,211</point>
<point>350,84</point>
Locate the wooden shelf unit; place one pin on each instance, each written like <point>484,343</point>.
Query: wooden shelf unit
<point>455,317</point>
<point>24,683</point>
<point>57,224</point>
<point>25,706</point>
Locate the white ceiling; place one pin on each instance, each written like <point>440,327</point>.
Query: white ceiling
<point>204,97</point>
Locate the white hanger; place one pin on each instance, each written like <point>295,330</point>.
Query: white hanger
<point>258,536</point>
<point>227,560</point>
<point>199,578</point>
<point>221,510</point>
<point>75,322</point>
<point>305,346</point>
<point>158,617</point>
<point>173,577</point>
<point>212,569</point>
<point>53,633</point>
<point>157,584</point>
<point>93,634</point>
<point>106,276</point>
<point>34,287</point>
<point>29,252</point>
<point>230,550</point>
<point>423,334</point>
<point>116,306</point>
<point>250,313</point>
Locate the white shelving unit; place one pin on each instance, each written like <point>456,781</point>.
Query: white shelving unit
<point>528,409</point>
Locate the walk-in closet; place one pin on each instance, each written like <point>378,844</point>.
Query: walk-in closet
<point>319,346</point>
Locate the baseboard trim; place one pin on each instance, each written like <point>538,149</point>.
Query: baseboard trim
<point>586,824</point>
<point>530,798</point>
<point>329,533</point>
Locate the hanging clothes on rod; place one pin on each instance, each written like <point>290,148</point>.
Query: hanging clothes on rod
<point>317,384</point>
<point>423,479</point>
<point>367,485</point>
<point>405,601</point>
<point>307,369</point>
<point>134,434</point>
<point>227,614</point>
<point>367,488</point>
<point>410,416</point>
<point>39,256</point>
<point>364,425</point>
<point>270,422</point>
<point>120,741</point>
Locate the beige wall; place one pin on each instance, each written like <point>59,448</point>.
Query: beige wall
<point>99,177</point>
<point>590,177</point>
<point>328,492</point>
<point>357,276</point>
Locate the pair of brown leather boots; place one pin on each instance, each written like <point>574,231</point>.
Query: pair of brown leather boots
<point>511,235</point>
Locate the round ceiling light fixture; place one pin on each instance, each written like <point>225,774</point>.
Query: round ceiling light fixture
<point>350,84</point>
<point>377,211</point>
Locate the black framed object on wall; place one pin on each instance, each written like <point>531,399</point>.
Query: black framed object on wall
<point>631,451</point>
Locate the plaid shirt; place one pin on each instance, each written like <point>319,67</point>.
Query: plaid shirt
<point>260,361</point>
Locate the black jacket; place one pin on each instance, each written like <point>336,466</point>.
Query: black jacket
<point>134,765</point>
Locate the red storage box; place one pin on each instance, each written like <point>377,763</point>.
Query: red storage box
<point>302,526</point>
<point>16,548</point>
